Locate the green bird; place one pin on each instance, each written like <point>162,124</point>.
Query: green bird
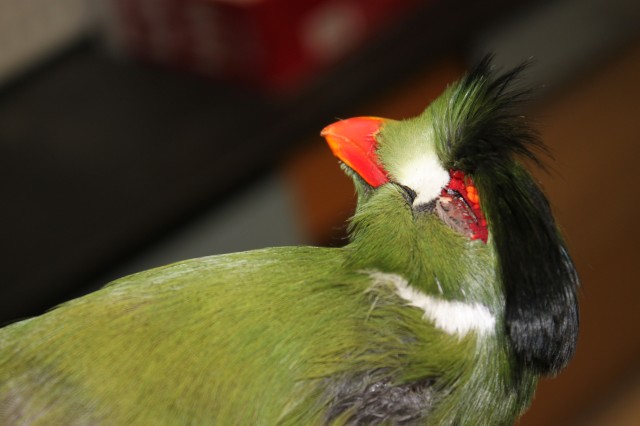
<point>453,296</point>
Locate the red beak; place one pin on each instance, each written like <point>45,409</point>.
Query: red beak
<point>353,141</point>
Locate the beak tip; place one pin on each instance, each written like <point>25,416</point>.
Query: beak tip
<point>330,130</point>
<point>353,141</point>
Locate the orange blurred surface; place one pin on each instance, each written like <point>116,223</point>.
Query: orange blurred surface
<point>594,132</point>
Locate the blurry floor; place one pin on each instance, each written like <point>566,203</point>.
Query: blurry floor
<point>263,215</point>
<point>620,409</point>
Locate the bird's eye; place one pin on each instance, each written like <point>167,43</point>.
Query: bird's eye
<point>408,193</point>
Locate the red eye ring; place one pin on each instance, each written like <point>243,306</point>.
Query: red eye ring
<point>461,186</point>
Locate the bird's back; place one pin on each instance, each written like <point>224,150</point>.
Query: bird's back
<point>109,355</point>
<point>256,337</point>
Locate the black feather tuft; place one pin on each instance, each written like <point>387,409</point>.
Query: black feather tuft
<point>483,134</point>
<point>484,125</point>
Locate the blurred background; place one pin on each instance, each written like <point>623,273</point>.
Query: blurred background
<point>134,133</point>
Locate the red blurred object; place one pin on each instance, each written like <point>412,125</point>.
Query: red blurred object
<point>275,44</point>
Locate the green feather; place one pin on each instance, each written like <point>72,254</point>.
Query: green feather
<point>303,335</point>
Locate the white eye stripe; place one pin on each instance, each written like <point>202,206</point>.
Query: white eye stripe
<point>424,175</point>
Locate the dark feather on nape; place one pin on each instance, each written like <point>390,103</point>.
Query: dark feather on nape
<point>537,273</point>
<point>483,136</point>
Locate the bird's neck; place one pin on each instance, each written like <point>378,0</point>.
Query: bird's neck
<point>432,258</point>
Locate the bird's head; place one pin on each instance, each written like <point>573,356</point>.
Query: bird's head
<point>446,190</point>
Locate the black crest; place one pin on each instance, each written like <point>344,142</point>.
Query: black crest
<point>484,134</point>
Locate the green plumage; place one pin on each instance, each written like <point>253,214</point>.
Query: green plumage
<point>181,344</point>
<point>295,335</point>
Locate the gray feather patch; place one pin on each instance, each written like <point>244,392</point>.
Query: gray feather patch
<point>367,401</point>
